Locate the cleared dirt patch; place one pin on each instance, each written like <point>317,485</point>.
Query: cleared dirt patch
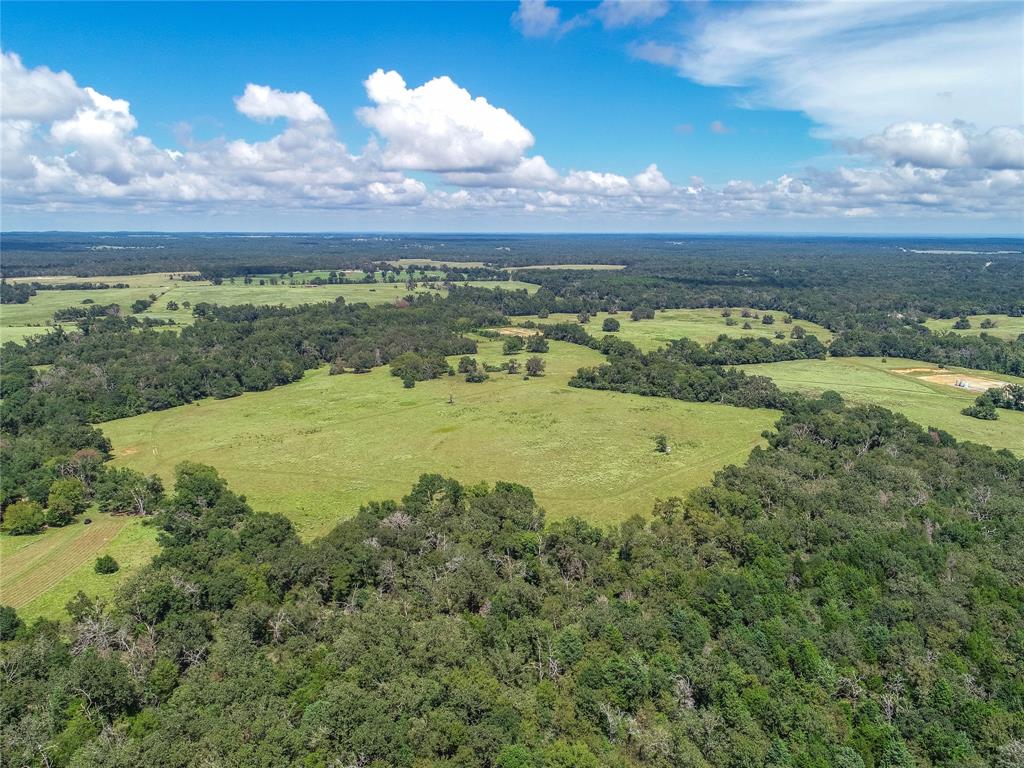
<point>518,331</point>
<point>973,383</point>
<point>914,370</point>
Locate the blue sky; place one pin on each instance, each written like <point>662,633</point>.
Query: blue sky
<point>646,115</point>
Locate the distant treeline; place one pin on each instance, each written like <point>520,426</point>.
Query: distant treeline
<point>20,293</point>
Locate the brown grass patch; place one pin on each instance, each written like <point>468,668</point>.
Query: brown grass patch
<point>973,383</point>
<point>518,331</point>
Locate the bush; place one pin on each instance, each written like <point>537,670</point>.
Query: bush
<point>535,366</point>
<point>512,345</point>
<point>23,517</point>
<point>537,343</point>
<point>610,325</point>
<point>767,319</point>
<point>985,411</point>
<point>106,564</point>
<point>10,623</point>
<point>642,313</point>
<point>962,324</point>
<point>65,500</point>
<point>476,376</point>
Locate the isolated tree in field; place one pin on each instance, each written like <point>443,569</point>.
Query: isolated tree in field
<point>798,332</point>
<point>512,345</point>
<point>537,344</point>
<point>661,443</point>
<point>767,319</point>
<point>610,325</point>
<point>535,366</point>
<point>106,564</point>
<point>467,364</point>
<point>642,313</point>
<point>172,305</point>
<point>747,326</point>
<point>962,324</point>
<point>583,317</point>
<point>65,500</point>
<point>731,321</point>
<point>988,322</point>
<point>512,366</point>
<point>726,313</point>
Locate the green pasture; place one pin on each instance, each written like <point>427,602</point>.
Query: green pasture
<point>869,380</point>
<point>19,321</point>
<point>701,325</point>
<point>1006,327</point>
<point>39,574</point>
<point>317,449</point>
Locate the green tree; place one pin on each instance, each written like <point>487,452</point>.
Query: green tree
<point>610,325</point>
<point>106,564</point>
<point>512,345</point>
<point>66,499</point>
<point>23,517</point>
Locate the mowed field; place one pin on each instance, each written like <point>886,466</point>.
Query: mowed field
<point>317,449</point>
<point>19,321</point>
<point>1006,327</point>
<point>869,380</point>
<point>701,325</point>
<point>39,574</point>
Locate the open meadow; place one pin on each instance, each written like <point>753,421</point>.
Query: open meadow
<point>1006,327</point>
<point>903,386</point>
<point>701,325</point>
<point>41,572</point>
<point>318,449</point>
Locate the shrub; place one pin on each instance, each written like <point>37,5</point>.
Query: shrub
<point>512,345</point>
<point>23,517</point>
<point>10,623</point>
<point>106,564</point>
<point>610,325</point>
<point>65,500</point>
<point>535,366</point>
<point>537,343</point>
<point>962,324</point>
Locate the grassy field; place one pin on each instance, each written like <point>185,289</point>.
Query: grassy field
<point>869,380</point>
<point>18,333</point>
<point>40,573</point>
<point>317,449</point>
<point>1006,327</point>
<point>18,321</point>
<point>702,325</point>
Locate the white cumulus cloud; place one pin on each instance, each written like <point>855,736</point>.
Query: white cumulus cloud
<point>261,102</point>
<point>440,126</point>
<point>37,94</point>
<point>936,145</point>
